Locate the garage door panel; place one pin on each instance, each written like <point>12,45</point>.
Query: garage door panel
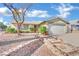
<point>55,29</point>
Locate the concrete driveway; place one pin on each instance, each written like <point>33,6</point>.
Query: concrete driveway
<point>72,38</point>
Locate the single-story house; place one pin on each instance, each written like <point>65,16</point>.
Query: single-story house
<point>27,24</point>
<point>57,26</point>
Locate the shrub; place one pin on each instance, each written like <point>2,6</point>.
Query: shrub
<point>32,29</point>
<point>24,31</point>
<point>10,30</point>
<point>42,29</point>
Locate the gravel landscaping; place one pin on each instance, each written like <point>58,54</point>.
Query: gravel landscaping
<point>27,49</point>
<point>10,41</point>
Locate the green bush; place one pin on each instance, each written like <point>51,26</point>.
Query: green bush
<point>42,29</point>
<point>24,31</point>
<point>10,30</point>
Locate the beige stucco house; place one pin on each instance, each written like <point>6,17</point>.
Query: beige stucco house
<point>27,24</point>
<point>55,25</point>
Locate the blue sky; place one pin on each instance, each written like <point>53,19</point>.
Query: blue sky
<point>43,11</point>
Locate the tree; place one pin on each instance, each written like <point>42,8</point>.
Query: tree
<point>2,26</point>
<point>32,29</point>
<point>18,14</point>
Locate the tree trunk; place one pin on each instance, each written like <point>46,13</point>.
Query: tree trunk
<point>18,29</point>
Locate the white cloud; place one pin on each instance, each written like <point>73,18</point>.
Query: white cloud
<point>64,15</point>
<point>5,11</point>
<point>4,22</point>
<point>64,10</point>
<point>1,19</point>
<point>38,13</point>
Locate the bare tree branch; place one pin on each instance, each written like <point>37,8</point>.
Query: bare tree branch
<point>24,11</point>
<point>10,8</point>
<point>18,16</point>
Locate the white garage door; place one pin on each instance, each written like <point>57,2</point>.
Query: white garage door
<point>56,29</point>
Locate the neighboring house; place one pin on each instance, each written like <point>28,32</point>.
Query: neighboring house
<point>75,25</point>
<point>57,26</point>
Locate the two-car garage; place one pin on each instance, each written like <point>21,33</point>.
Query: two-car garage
<point>57,26</point>
<point>56,29</point>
